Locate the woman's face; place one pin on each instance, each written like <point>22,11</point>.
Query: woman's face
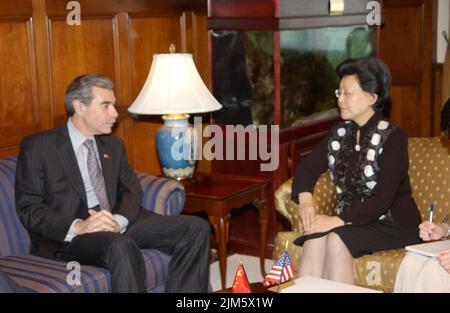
<point>354,103</point>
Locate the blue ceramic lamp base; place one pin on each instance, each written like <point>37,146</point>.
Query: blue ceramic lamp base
<point>175,142</point>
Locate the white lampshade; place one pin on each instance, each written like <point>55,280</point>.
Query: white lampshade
<point>174,86</point>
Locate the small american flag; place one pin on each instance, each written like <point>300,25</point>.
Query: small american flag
<point>282,271</point>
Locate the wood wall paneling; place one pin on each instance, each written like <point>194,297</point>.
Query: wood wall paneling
<point>403,109</point>
<point>201,59</point>
<point>406,46</point>
<point>148,39</point>
<point>17,64</point>
<point>42,51</point>
<point>201,52</point>
<point>123,82</point>
<point>77,50</point>
<point>437,98</point>
<point>242,9</point>
<point>15,9</point>
<point>193,28</point>
<point>136,7</point>
<point>19,109</point>
<point>404,24</point>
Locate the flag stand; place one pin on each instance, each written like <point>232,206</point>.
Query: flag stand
<point>282,269</point>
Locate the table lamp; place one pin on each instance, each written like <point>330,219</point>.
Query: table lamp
<point>174,89</point>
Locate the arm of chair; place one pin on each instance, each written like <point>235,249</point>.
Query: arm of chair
<point>161,195</point>
<point>286,207</point>
<point>325,200</point>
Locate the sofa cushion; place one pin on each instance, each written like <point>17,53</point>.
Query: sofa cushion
<point>15,239</point>
<point>157,267</point>
<point>37,274</point>
<point>378,270</point>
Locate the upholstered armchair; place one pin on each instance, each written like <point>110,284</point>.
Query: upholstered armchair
<point>429,171</point>
<point>36,274</point>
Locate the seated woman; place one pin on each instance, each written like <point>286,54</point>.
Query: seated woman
<point>419,273</point>
<point>368,160</point>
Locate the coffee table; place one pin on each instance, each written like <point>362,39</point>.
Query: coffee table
<point>308,284</point>
<point>254,288</point>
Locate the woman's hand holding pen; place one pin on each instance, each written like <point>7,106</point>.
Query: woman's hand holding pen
<point>307,210</point>
<point>430,231</point>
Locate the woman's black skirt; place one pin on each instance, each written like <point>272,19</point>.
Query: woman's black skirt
<point>377,236</point>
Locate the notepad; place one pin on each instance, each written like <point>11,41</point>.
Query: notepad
<point>430,249</point>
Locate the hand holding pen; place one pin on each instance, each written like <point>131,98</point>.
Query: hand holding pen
<point>429,230</point>
<point>426,228</point>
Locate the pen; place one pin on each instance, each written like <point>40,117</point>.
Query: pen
<point>431,212</point>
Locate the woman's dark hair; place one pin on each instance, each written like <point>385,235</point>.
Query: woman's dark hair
<point>373,75</point>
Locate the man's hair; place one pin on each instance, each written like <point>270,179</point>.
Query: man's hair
<point>81,89</point>
<point>373,75</point>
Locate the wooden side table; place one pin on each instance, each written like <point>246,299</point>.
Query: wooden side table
<point>217,195</point>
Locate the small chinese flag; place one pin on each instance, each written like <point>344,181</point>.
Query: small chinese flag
<point>240,284</point>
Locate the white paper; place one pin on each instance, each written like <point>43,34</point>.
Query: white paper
<point>430,249</point>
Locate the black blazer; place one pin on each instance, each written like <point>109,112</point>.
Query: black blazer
<point>50,191</point>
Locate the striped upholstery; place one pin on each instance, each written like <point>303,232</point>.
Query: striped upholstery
<point>36,274</point>
<point>14,237</point>
<point>161,195</point>
<point>157,267</point>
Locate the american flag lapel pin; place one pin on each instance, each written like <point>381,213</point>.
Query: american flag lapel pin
<point>106,156</point>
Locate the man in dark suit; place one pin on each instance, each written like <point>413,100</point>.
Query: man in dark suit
<point>80,200</point>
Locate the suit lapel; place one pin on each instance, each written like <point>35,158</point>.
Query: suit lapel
<point>69,162</point>
<point>109,171</point>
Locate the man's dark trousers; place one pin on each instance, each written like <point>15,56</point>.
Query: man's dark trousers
<point>184,238</point>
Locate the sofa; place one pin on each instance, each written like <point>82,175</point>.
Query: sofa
<point>36,274</point>
<point>429,171</point>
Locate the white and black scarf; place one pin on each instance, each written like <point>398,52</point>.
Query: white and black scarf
<point>364,175</point>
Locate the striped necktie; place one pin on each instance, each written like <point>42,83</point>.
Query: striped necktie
<point>96,175</point>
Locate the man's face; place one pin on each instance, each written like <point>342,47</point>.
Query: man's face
<point>99,116</point>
